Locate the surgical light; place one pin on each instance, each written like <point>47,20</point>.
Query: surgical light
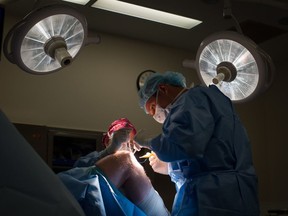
<point>233,62</point>
<point>47,39</point>
<point>146,13</point>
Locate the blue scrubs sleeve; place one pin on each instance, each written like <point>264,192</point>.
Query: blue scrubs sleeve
<point>186,131</point>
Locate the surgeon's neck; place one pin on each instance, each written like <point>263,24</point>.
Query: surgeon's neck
<point>180,92</point>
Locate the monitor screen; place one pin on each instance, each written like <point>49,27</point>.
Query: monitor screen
<point>2,10</point>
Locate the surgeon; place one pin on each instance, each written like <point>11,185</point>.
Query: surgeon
<point>112,182</point>
<point>205,147</point>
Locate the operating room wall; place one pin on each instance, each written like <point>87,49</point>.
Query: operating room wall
<point>266,119</point>
<point>100,86</point>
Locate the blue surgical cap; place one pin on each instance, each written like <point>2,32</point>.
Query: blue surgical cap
<point>151,85</point>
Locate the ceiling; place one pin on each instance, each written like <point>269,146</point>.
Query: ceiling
<point>261,20</point>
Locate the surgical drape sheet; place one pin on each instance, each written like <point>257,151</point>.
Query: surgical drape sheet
<point>96,194</point>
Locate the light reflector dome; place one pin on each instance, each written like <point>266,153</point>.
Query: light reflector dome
<point>47,39</point>
<point>235,64</point>
<point>56,27</point>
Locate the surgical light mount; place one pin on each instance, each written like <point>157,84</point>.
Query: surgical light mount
<point>56,48</point>
<point>226,71</point>
<point>47,39</point>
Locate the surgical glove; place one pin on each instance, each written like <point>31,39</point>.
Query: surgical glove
<point>142,139</point>
<point>119,137</point>
<point>157,165</point>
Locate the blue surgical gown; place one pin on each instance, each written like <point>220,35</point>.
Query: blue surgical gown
<point>209,155</point>
<point>94,192</point>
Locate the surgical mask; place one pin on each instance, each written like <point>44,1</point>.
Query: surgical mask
<point>160,113</point>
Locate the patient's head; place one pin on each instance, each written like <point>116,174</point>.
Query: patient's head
<point>116,125</point>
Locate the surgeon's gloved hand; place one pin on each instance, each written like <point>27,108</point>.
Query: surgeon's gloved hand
<point>119,137</point>
<point>142,139</point>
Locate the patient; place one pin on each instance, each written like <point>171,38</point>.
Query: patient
<point>99,177</point>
